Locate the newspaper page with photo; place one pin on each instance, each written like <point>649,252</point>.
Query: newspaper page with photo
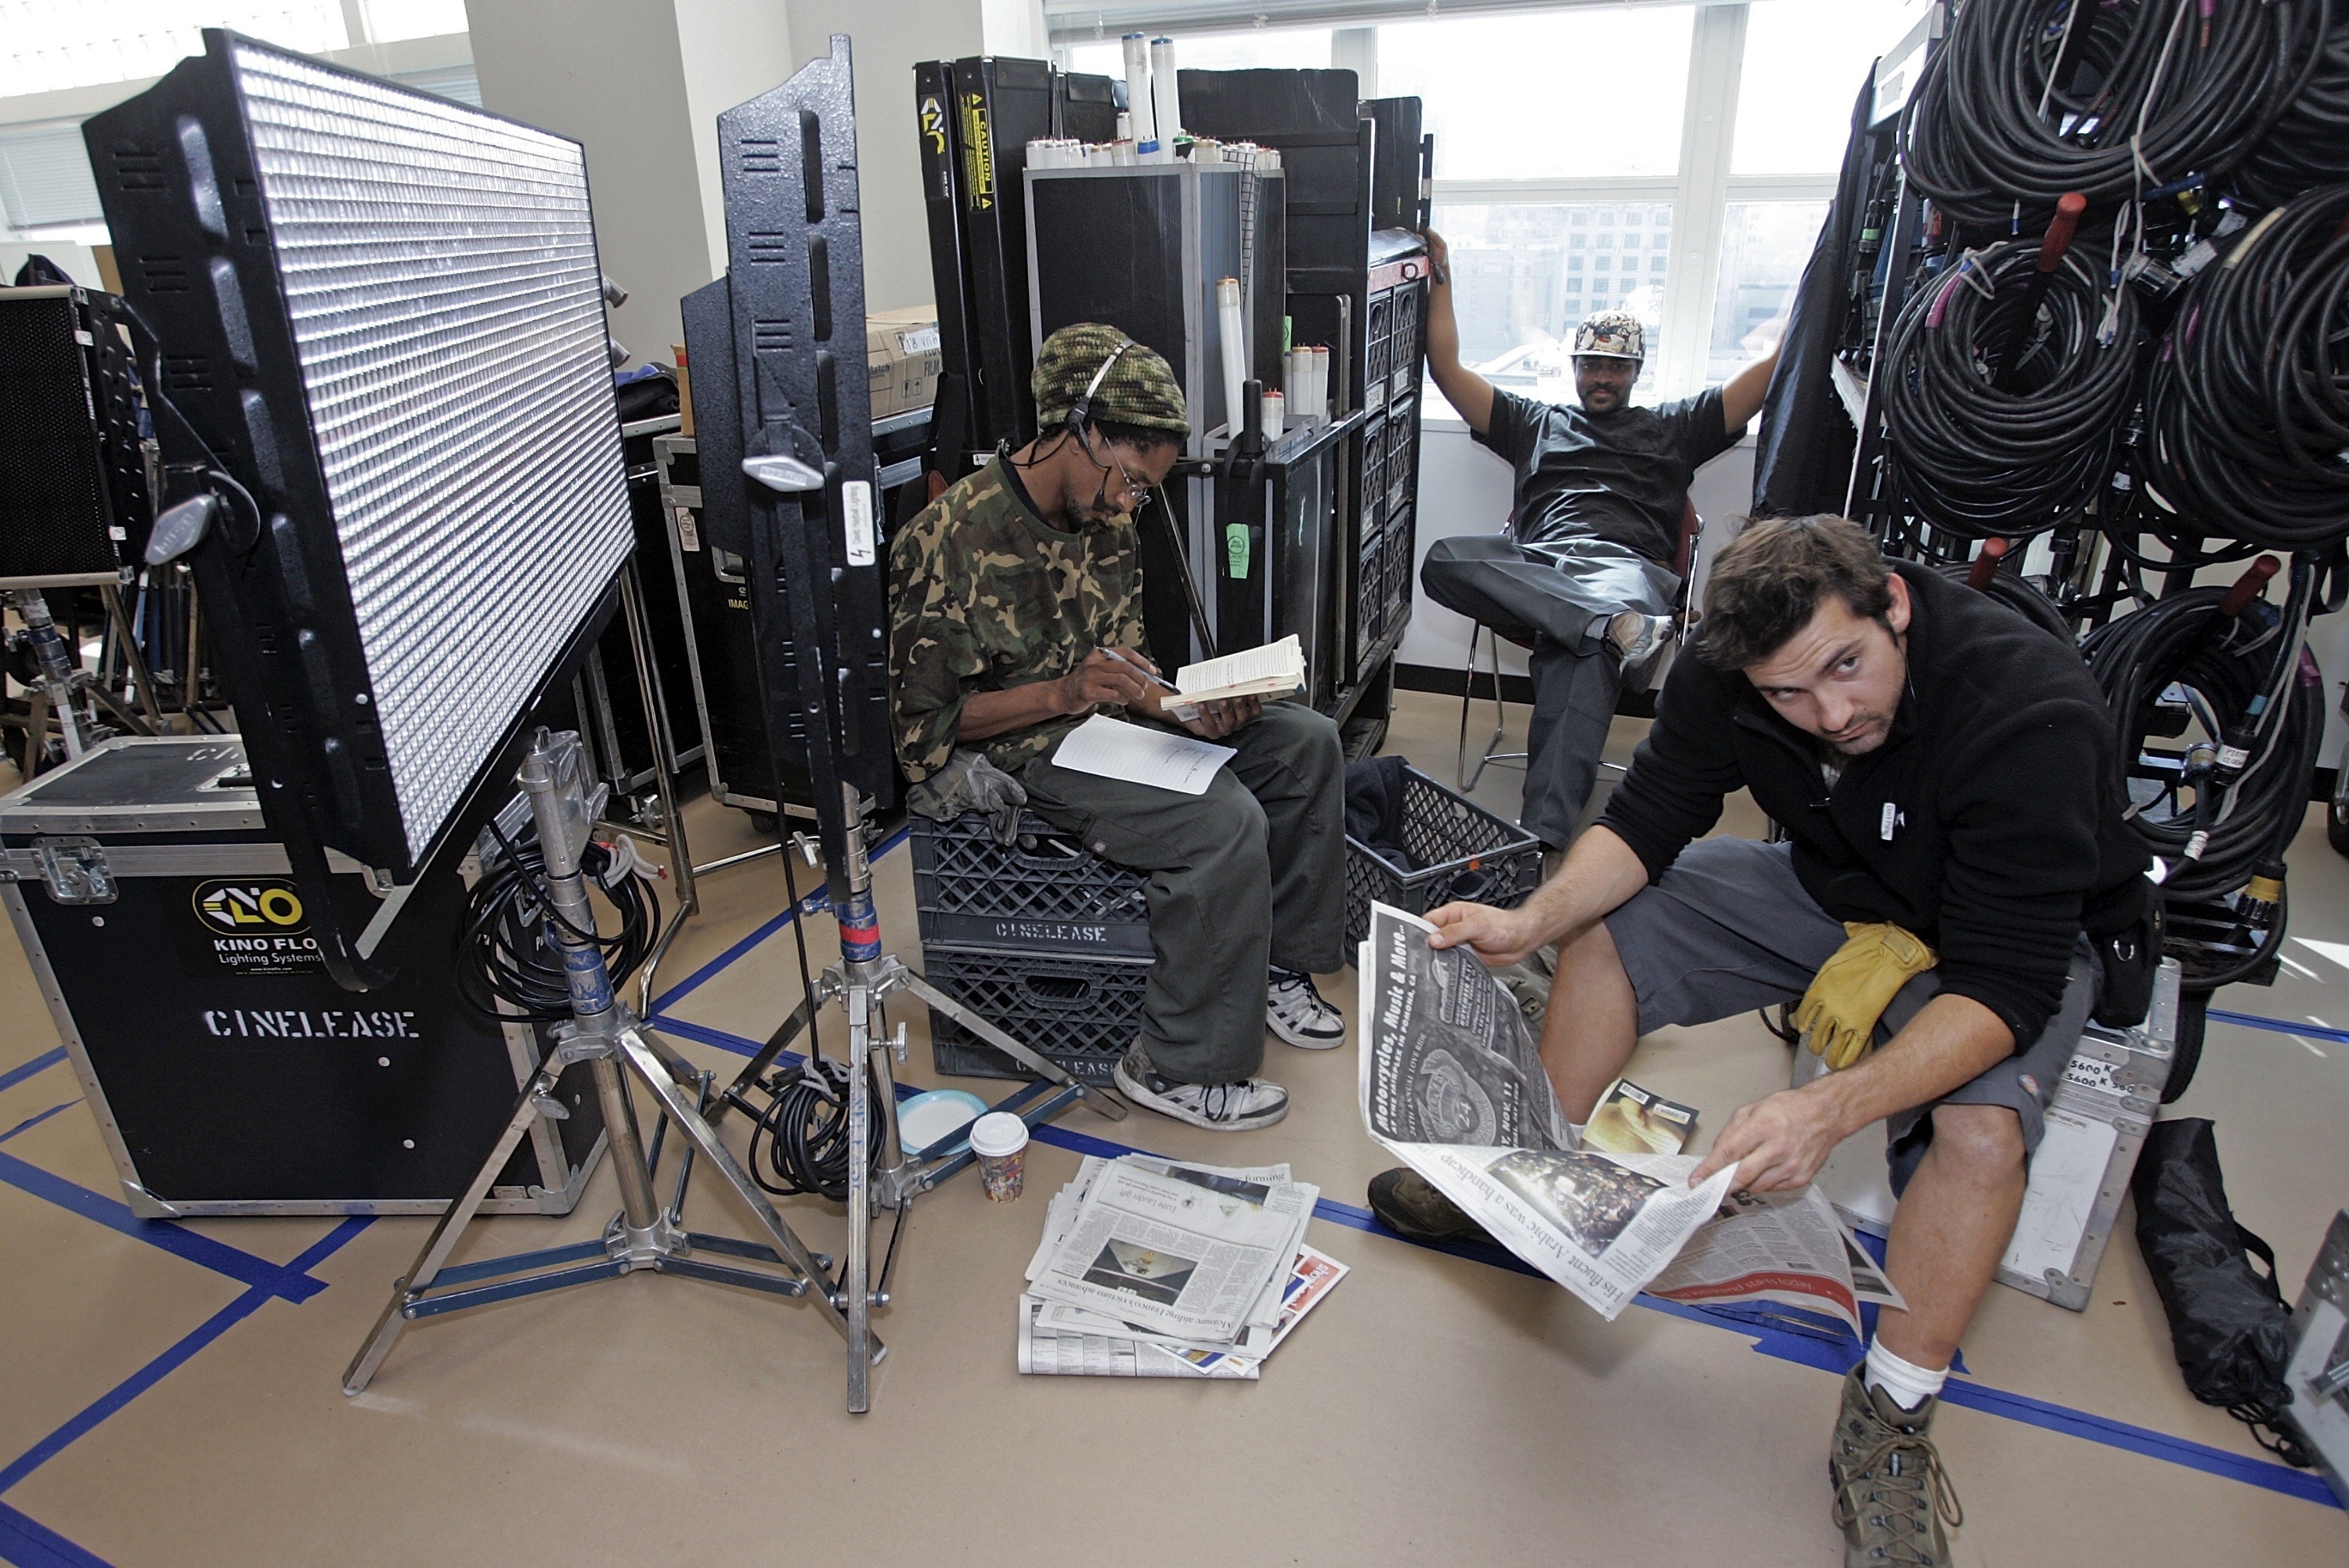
<point>1172,1253</point>
<point>1782,1247</point>
<point>1452,1083</point>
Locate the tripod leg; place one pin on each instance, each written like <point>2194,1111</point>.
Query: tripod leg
<point>450,1225</point>
<point>1099,1098</point>
<point>134,662</point>
<point>788,1246</point>
<point>857,1274</point>
<point>757,1066</point>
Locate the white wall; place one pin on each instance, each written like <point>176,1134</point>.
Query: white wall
<point>888,40</point>
<point>610,73</point>
<point>1463,489</point>
<point>732,51</point>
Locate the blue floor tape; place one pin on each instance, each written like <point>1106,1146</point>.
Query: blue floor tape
<point>28,1543</point>
<point>219,1256</point>
<point>31,1122</point>
<point>15,1075</point>
<point>2280,1025</point>
<point>815,902</point>
<point>1810,1344</point>
<point>212,1328</point>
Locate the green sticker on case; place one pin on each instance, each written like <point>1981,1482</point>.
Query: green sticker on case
<point>1236,550</point>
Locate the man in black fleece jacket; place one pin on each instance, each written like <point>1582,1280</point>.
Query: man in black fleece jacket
<point>1940,765</point>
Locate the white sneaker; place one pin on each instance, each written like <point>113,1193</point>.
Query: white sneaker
<point>1295,1011</point>
<point>1636,638</point>
<point>1219,1107</point>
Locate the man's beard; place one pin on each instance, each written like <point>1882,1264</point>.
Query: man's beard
<point>1082,516</point>
<point>1878,731</point>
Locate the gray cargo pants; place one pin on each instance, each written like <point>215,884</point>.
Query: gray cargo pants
<point>1556,598</point>
<point>1252,873</point>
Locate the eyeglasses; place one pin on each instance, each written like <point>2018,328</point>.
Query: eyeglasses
<point>1129,491</point>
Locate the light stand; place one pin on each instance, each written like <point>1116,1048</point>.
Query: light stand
<point>63,681</point>
<point>862,982</point>
<point>602,1032</point>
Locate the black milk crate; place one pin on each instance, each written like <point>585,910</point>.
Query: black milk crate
<point>1045,894</point>
<point>1464,852</point>
<point>1081,1013</point>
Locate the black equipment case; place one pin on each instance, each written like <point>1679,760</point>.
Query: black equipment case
<point>229,1073</point>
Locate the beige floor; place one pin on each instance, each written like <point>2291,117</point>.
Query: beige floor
<point>1435,1410</point>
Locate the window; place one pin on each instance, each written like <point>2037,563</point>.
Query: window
<point>55,44</point>
<point>388,21</point>
<point>1519,294</point>
<point>1572,95</point>
<point>1805,62</point>
<point>1764,246</point>
<point>1285,48</point>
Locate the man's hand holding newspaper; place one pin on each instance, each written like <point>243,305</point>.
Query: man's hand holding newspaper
<point>1452,1082</point>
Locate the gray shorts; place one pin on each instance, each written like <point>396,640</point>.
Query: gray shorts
<point>1730,928</point>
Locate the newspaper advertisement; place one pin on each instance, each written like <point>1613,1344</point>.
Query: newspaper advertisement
<point>1179,1252</point>
<point>1452,1083</point>
<point>1113,1349</point>
<point>1782,1247</point>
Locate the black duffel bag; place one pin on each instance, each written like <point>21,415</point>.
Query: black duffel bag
<point>2227,1320</point>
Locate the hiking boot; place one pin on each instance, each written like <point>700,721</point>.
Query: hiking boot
<point>1891,1495</point>
<point>1407,1203</point>
<point>1218,1107</point>
<point>1295,1011</point>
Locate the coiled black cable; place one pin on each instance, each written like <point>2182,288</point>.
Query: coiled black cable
<point>2004,390</point>
<point>2247,409</point>
<point>2026,100</point>
<point>503,955</point>
<point>2247,676</point>
<point>801,1139</point>
<point>2310,145</point>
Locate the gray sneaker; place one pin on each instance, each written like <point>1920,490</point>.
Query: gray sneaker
<point>1218,1107</point>
<point>1637,638</point>
<point>1891,1495</point>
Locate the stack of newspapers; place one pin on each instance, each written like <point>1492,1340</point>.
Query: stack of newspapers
<point>1153,1269</point>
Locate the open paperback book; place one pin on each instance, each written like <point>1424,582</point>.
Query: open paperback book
<point>1275,669</point>
<point>1452,1083</point>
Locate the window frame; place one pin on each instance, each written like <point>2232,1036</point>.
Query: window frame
<point>1701,189</point>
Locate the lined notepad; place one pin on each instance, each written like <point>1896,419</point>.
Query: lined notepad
<point>1159,757</point>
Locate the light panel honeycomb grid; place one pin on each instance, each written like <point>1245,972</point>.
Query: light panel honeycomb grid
<point>440,267</point>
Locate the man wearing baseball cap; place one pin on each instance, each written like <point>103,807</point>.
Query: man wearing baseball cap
<point>1016,613</point>
<point>1583,572</point>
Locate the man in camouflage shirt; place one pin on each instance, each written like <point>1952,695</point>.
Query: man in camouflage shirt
<point>1016,614</point>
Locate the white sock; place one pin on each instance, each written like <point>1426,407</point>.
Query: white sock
<point>1908,1384</point>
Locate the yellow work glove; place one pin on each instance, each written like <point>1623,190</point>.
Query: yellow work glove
<point>1851,990</point>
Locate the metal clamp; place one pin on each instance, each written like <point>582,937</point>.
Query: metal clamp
<point>74,869</point>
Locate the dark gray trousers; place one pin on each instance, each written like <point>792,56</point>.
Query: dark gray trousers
<point>1556,597</point>
<point>1249,874</point>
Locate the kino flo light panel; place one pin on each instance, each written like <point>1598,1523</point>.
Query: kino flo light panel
<point>382,355</point>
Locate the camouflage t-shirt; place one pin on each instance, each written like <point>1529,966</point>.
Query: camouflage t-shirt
<point>985,595</point>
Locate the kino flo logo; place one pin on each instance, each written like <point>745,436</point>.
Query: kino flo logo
<point>250,909</point>
<point>258,927</point>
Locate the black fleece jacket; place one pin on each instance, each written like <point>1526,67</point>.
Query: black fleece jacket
<point>1986,823</point>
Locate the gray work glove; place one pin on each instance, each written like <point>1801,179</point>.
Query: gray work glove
<point>969,782</point>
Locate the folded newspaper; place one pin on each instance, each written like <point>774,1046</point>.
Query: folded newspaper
<point>1452,1083</point>
<point>1150,1268</point>
<point>1787,1249</point>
